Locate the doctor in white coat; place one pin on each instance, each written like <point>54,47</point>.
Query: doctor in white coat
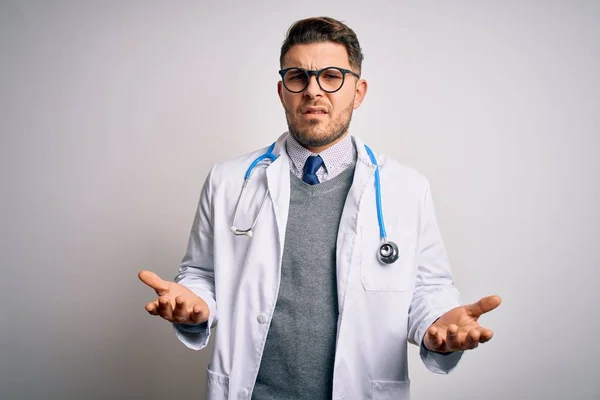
<point>236,281</point>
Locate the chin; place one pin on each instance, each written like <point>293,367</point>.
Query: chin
<point>315,132</point>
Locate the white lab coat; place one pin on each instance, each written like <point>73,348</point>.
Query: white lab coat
<point>381,307</point>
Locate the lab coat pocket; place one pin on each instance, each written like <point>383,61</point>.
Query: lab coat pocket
<point>218,386</point>
<point>395,277</point>
<point>391,390</point>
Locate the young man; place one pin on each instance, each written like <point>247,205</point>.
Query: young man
<point>311,305</point>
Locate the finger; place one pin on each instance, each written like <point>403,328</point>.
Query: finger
<point>484,305</point>
<point>152,307</point>
<point>486,335</point>
<point>180,313</point>
<point>198,315</point>
<point>164,308</point>
<point>154,281</point>
<point>472,340</point>
<point>434,339</point>
<point>452,340</point>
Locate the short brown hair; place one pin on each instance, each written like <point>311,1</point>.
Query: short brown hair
<point>323,29</point>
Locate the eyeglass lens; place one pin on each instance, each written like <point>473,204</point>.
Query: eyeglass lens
<point>330,80</point>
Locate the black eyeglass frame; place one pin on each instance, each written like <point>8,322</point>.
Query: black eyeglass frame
<point>317,74</point>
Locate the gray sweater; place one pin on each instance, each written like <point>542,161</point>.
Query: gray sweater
<point>298,358</point>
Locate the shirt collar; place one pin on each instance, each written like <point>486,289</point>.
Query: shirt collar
<point>338,155</point>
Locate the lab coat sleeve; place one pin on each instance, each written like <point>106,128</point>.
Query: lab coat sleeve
<point>434,293</point>
<point>196,271</point>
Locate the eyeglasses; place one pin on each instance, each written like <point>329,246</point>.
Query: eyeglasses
<point>330,79</point>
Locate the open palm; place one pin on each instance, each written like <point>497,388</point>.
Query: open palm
<point>175,302</point>
<point>459,328</point>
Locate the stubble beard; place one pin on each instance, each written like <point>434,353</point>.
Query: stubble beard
<point>318,134</point>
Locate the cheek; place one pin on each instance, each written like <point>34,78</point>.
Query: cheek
<point>290,101</point>
<point>341,102</point>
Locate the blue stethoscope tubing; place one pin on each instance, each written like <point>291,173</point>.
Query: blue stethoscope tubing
<point>248,232</point>
<point>388,250</point>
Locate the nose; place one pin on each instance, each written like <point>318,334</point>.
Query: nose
<point>313,89</point>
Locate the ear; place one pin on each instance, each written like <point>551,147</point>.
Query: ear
<point>279,91</point>
<point>360,93</point>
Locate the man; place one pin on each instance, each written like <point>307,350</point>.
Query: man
<point>306,310</point>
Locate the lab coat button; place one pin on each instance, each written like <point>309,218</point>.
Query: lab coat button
<point>244,393</point>
<point>262,318</point>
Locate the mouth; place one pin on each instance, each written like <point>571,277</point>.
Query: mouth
<point>314,111</point>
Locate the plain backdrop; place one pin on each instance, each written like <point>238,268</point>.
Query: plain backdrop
<point>112,113</point>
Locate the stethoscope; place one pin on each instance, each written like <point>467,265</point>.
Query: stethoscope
<point>388,250</point>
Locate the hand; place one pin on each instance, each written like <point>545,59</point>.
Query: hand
<point>458,329</point>
<point>175,302</point>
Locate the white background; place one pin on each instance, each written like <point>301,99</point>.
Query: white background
<point>112,113</point>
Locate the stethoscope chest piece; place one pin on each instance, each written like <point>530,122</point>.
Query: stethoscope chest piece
<point>388,252</point>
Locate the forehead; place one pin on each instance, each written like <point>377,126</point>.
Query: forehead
<point>316,56</point>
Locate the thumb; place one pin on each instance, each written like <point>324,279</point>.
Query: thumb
<point>153,280</point>
<point>484,305</point>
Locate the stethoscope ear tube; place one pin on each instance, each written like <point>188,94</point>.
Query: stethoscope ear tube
<point>249,232</point>
<point>388,252</point>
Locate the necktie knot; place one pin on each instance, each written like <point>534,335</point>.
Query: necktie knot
<point>312,165</point>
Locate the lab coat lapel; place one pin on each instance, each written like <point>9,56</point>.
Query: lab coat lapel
<point>363,176</point>
<point>349,239</point>
<point>278,182</point>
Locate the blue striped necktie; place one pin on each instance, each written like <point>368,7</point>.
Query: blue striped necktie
<point>313,163</point>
